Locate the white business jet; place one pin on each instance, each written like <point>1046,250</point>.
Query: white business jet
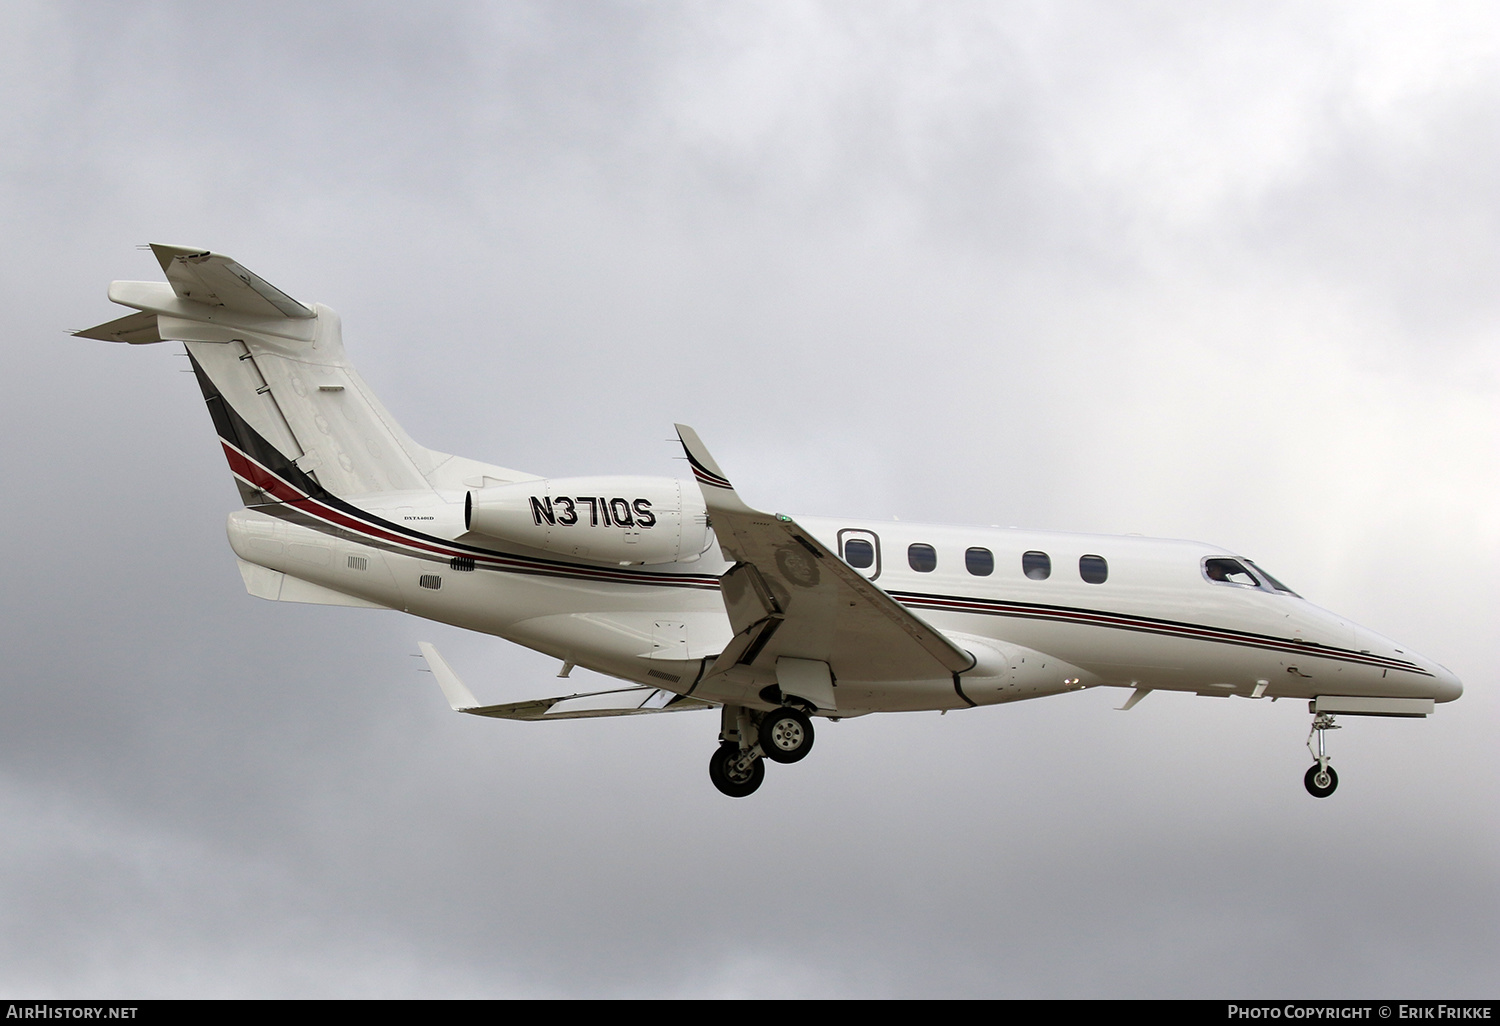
<point>695,600</point>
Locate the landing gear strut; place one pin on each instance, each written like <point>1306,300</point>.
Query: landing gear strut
<point>1320,780</point>
<point>747,739</point>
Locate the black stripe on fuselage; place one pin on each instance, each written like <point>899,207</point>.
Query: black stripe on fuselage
<point>1147,625</point>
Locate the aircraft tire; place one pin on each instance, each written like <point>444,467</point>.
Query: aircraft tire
<point>786,735</point>
<point>735,786</point>
<point>1323,788</point>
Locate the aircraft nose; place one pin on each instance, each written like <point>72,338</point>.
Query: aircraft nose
<point>1443,686</point>
<point>1447,686</point>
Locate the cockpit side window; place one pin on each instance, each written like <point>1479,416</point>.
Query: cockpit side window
<point>1223,570</point>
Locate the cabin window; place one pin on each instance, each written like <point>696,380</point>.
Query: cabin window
<point>923,558</point>
<point>1222,570</point>
<point>1093,569</point>
<point>981,562</point>
<point>859,553</point>
<point>1037,565</point>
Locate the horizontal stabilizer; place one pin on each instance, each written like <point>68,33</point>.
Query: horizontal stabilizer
<point>215,280</point>
<point>138,329</point>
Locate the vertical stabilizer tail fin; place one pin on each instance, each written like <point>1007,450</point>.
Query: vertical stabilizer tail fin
<point>288,405</point>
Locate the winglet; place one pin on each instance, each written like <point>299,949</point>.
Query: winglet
<point>459,697</point>
<point>718,493</point>
<point>772,545</point>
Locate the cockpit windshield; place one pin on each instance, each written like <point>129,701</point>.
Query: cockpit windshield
<point>1243,573</point>
<point>1273,582</point>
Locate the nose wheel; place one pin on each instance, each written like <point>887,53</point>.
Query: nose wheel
<point>735,772</point>
<point>1320,780</point>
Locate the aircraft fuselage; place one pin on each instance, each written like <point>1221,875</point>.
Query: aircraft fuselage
<point>1155,621</point>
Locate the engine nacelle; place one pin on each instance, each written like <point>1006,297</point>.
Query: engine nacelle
<point>620,520</point>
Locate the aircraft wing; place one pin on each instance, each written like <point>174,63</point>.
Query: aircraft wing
<point>635,701</point>
<point>628,701</point>
<point>790,598</point>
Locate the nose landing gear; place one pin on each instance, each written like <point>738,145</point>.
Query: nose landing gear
<point>1320,780</point>
<point>734,772</point>
<point>737,767</point>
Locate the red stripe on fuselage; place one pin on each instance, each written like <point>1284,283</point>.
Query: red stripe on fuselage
<point>256,474</point>
<point>1222,635</point>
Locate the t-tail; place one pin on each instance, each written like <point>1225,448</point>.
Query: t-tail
<point>293,416</point>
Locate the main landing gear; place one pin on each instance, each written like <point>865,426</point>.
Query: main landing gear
<point>1320,780</point>
<point>748,738</point>
<point>786,735</point>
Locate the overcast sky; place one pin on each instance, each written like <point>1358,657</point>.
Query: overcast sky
<point>1218,271</point>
